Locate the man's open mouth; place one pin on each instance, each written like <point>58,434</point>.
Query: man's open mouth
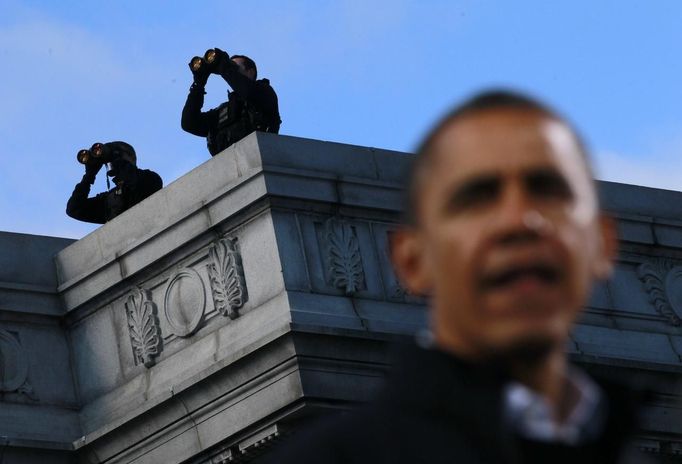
<point>541,272</point>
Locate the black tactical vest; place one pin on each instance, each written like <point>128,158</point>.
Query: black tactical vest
<point>237,118</point>
<point>116,203</point>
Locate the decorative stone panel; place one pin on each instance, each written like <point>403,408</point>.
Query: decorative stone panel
<point>398,291</point>
<point>184,302</point>
<point>143,326</point>
<point>663,283</point>
<point>344,261</point>
<point>13,367</point>
<point>226,275</point>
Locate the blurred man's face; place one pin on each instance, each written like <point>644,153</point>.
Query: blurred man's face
<point>509,238</point>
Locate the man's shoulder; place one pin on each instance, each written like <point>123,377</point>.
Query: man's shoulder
<point>264,85</point>
<point>147,172</point>
<point>623,395</point>
<point>332,439</point>
<point>150,177</point>
<point>371,433</point>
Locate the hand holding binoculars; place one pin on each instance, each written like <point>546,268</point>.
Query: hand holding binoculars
<point>99,153</point>
<point>211,62</point>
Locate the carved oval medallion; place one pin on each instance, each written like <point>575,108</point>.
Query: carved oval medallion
<point>184,302</point>
<point>673,289</point>
<point>13,365</point>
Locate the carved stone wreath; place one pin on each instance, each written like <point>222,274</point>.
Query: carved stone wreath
<point>226,275</point>
<point>143,326</point>
<point>344,261</point>
<point>663,283</point>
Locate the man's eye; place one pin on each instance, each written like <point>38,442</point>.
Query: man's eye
<point>474,194</point>
<point>548,185</point>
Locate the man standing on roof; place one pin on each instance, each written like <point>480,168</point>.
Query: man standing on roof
<point>251,105</point>
<point>131,184</point>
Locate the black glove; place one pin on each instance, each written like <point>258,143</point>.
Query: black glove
<point>222,61</point>
<point>201,75</point>
<point>91,170</point>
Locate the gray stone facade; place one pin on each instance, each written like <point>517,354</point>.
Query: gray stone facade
<point>255,292</point>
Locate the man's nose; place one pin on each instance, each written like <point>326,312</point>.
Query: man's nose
<point>518,217</point>
<point>514,205</point>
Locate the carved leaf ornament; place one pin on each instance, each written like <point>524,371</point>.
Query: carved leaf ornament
<point>343,256</point>
<point>143,325</point>
<point>663,283</point>
<point>227,278</point>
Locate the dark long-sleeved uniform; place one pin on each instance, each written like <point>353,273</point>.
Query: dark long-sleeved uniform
<point>107,205</point>
<point>252,105</point>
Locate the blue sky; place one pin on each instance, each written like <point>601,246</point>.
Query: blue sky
<point>374,73</point>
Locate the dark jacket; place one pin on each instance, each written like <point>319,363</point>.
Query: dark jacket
<point>438,409</point>
<point>107,205</point>
<point>252,105</point>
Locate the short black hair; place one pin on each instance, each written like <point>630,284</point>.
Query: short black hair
<point>248,63</point>
<point>482,101</point>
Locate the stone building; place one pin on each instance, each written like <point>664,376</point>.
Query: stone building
<point>254,293</point>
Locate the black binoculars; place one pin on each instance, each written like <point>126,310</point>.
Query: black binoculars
<point>99,153</point>
<point>208,63</point>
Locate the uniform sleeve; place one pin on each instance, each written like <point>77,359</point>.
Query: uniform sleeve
<point>258,92</point>
<point>193,120</point>
<point>241,84</point>
<point>86,209</point>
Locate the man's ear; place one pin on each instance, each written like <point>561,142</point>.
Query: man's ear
<point>409,260</point>
<point>607,250</point>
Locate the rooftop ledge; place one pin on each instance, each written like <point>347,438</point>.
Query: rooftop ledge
<point>258,166</point>
<point>267,165</point>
